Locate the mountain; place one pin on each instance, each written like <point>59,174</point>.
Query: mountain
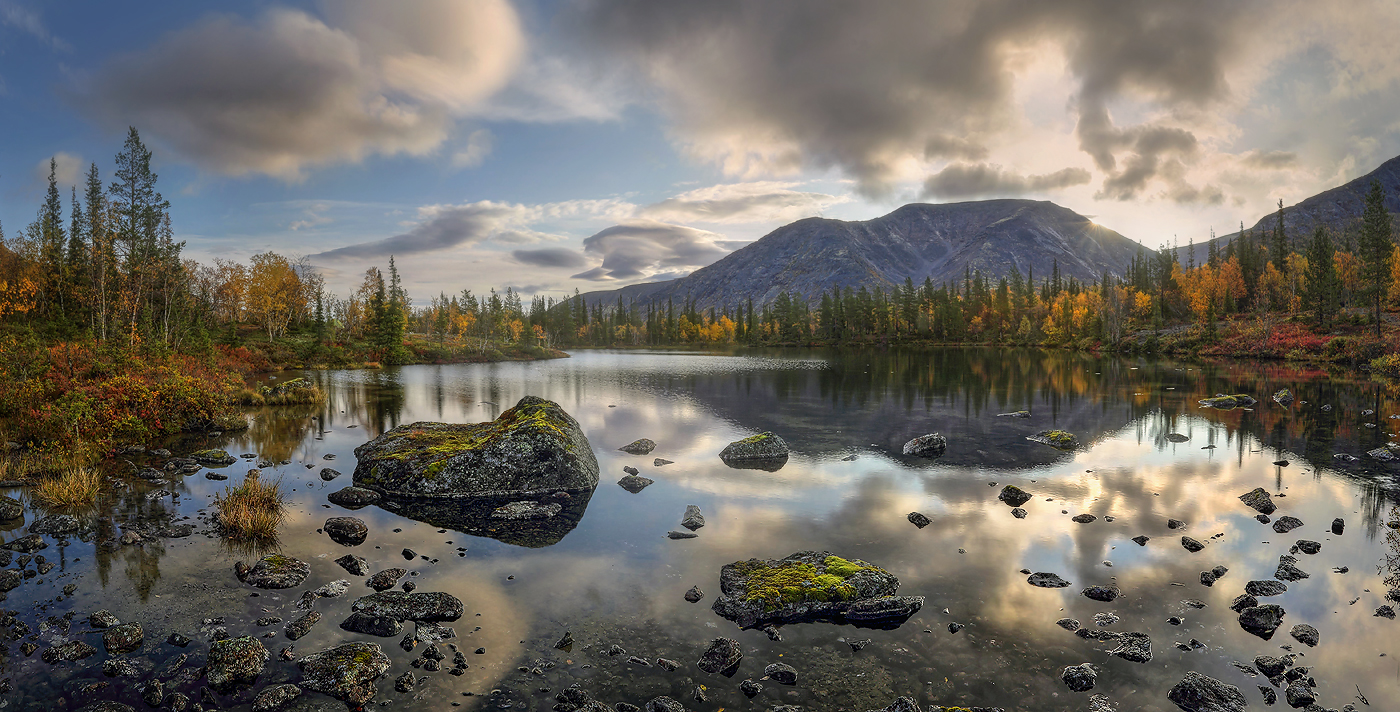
<point>1339,209</point>
<point>916,241</point>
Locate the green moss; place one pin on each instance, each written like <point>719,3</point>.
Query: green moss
<point>757,438</point>
<point>434,445</point>
<point>279,560</point>
<point>795,582</point>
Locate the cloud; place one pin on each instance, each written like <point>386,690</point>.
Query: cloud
<point>550,257</point>
<point>961,180</point>
<point>442,227</point>
<point>288,91</point>
<point>12,14</point>
<point>68,169</point>
<point>756,202</point>
<point>477,149</point>
<point>642,248</point>
<point>1269,160</point>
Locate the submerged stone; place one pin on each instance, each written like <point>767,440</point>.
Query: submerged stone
<point>515,511</point>
<point>533,449</point>
<point>720,655</point>
<point>810,586</point>
<point>692,519</point>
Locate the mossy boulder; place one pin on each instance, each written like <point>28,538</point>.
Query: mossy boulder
<point>346,672</point>
<point>273,571</point>
<point>811,586</point>
<point>1226,402</point>
<point>531,450</point>
<point>1059,439</point>
<point>123,637</point>
<point>213,458</point>
<point>427,606</point>
<point>764,446</point>
<point>235,661</point>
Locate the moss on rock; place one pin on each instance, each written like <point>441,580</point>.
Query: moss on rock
<point>806,586</point>
<point>1060,439</point>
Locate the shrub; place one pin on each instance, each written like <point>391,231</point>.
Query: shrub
<point>1388,365</point>
<point>252,510</point>
<point>73,486</point>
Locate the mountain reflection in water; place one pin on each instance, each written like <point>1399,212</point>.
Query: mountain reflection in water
<point>609,576</point>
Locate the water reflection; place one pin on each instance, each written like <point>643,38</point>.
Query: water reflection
<point>605,571</point>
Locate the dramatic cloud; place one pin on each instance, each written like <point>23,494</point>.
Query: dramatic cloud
<point>442,227</point>
<point>550,257</point>
<point>757,202</point>
<point>962,180</point>
<point>646,248</point>
<point>290,90</point>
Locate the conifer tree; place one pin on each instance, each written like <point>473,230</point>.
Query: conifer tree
<point>1375,245</point>
<point>1320,290</point>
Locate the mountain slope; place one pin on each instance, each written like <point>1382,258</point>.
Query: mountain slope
<point>916,241</point>
<point>1339,209</point>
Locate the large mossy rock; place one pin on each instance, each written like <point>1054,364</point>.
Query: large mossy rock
<point>811,586</point>
<point>1222,401</point>
<point>764,446</point>
<point>346,672</point>
<point>533,449</point>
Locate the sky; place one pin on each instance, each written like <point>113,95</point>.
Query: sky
<point>591,144</point>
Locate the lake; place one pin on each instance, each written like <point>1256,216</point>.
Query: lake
<point>606,573</point>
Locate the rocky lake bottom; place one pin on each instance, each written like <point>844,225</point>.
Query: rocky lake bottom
<point>1176,556</point>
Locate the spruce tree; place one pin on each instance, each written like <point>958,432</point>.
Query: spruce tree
<point>1375,245</point>
<point>1320,291</point>
<point>1278,248</point>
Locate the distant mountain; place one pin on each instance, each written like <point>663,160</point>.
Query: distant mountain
<point>916,241</point>
<point>1339,209</point>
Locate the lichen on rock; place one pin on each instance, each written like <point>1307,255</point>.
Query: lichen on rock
<point>764,446</point>
<point>1059,439</point>
<point>809,586</point>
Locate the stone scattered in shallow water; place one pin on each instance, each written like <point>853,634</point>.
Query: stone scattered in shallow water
<point>722,654</point>
<point>1308,547</point>
<point>1083,518</point>
<point>919,520</point>
<point>764,446</point>
<point>1191,545</point>
<point>346,531</point>
<point>1262,620</point>
<point>1015,414</point>
<point>781,673</point>
<point>681,535</point>
<point>1267,587</point>
<point>274,571</point>
<point>68,652</point>
<point>1141,540</point>
<point>1175,524</point>
<point>1305,634</point>
<point>635,483</point>
<point>123,638</point>
<point>1018,513</point>
<point>1106,594</point>
<point>1059,439</point>
<point>1068,624</point>
<point>354,564</point>
<point>235,661</point>
<point>694,594</point>
<point>419,606</point>
<point>658,462</point>
<point>213,458</point>
<point>1176,437</point>
<point>1014,496</point>
<point>1385,611</point>
<point>1133,647</point>
<point>692,519</point>
<point>1288,571</point>
<point>275,697</point>
<point>346,672</point>
<point>353,497</point>
<point>931,445</point>
<point>1284,398</point>
<point>1339,525</point>
<point>807,586</point>
<point>1079,678</point>
<point>380,626</point>
<point>1383,454</point>
<point>1286,524</point>
<point>1043,579</point>
<point>1259,499</point>
<point>55,524</point>
<point>385,579</point>
<point>103,619</point>
<point>641,446</point>
<point>1200,693</point>
<point>328,474</point>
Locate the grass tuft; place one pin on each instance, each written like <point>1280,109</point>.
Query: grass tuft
<point>71,487</point>
<point>252,510</point>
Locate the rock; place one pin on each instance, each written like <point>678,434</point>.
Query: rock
<point>1262,620</point>
<point>213,458</point>
<point>720,655</point>
<point>639,447</point>
<point>764,446</point>
<point>1284,398</point>
<point>123,638</point>
<point>346,672</point>
<point>354,564</point>
<point>1338,526</point>
<point>107,706</point>
<point>1270,665</point>
<point>301,626</point>
<point>1175,524</point>
<point>1191,545</point>
<point>353,497</point>
<point>955,627</point>
<point>931,445</point>
<point>1058,439</point>
<point>103,619</point>
<point>781,673</point>
<point>1298,695</point>
<point>1079,678</point>
<point>658,462</point>
<point>694,594</point>
<point>1262,518</point>
<point>1385,612</point>
<point>1014,496</point>
<point>1219,572</point>
<point>275,697</point>
<point>534,449</point>
<point>808,586</point>
<point>119,667</point>
<point>681,535</point>
<point>1286,524</point>
<point>663,704</point>
<point>1141,540</point>
<point>1265,588</point>
<point>1199,693</point>
<point>346,531</point>
<point>273,571</point>
<point>631,470</point>
<point>377,625</point>
<point>10,509</point>
<point>1308,547</point>
<point>1208,578</point>
<point>668,665</point>
<point>1083,518</point>
<point>692,519</point>
<point>177,640</point>
<point>1068,624</point>
<point>919,520</point>
<point>1018,513</point>
<point>55,524</point>
<point>1046,580</point>
<point>1259,499</point>
<point>1305,634</point>
<point>1281,463</point>
<point>1133,647</point>
<point>1382,454</point>
<point>521,510</point>
<point>1227,402</point>
<point>907,704</point>
<point>386,579</point>
<point>428,606</point>
<point>1015,414</point>
<point>635,483</point>
<point>68,652</point>
<point>405,682</point>
<point>1287,571</point>
<point>1106,594</point>
<point>235,661</point>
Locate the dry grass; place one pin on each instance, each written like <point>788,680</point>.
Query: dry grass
<point>24,468</point>
<point>71,487</point>
<point>252,510</point>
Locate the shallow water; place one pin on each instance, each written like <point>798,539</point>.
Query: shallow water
<point>615,579</point>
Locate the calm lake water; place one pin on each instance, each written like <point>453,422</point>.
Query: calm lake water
<point>608,575</point>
